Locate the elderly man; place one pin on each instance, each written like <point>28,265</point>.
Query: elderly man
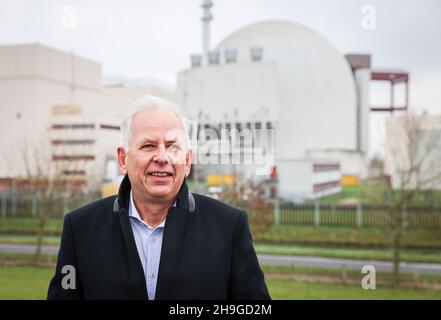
<point>155,239</point>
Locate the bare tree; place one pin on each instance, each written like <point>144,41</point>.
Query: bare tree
<point>46,181</point>
<point>413,157</point>
<point>249,196</point>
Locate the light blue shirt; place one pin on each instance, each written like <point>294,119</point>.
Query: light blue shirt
<point>149,243</point>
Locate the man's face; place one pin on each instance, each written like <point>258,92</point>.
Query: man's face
<point>157,160</point>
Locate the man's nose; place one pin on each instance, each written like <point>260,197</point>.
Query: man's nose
<point>161,156</point>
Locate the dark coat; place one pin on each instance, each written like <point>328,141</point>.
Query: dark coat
<point>207,252</point>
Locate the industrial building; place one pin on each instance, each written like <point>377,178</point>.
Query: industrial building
<point>283,75</point>
<point>54,107</point>
<point>277,76</point>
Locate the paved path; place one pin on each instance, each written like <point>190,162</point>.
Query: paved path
<point>265,259</point>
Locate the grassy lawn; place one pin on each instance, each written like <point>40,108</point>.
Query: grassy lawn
<point>29,225</point>
<point>284,289</point>
<point>32,283</point>
<point>24,282</point>
<point>431,256</point>
<point>288,234</point>
<point>337,274</point>
<point>28,239</point>
<point>347,236</point>
<point>373,254</point>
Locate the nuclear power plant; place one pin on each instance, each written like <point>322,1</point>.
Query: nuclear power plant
<point>285,76</point>
<point>278,76</point>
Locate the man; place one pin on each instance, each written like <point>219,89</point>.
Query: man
<point>155,239</point>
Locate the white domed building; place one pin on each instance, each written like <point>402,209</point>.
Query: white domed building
<point>285,76</point>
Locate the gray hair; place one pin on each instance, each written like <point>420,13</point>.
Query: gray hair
<point>150,102</point>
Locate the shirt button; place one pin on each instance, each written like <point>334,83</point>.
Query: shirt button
<point>153,239</point>
<point>152,275</point>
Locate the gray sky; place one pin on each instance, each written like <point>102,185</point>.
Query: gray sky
<point>150,38</point>
<point>153,39</point>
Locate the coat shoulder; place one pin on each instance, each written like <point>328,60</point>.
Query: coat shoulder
<point>215,207</point>
<point>96,209</point>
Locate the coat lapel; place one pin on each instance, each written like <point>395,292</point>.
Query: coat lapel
<point>136,272</point>
<point>135,269</point>
<point>172,242</point>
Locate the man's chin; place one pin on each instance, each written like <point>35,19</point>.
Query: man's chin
<point>161,191</point>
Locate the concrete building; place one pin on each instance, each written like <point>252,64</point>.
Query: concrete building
<point>285,76</point>
<point>54,105</point>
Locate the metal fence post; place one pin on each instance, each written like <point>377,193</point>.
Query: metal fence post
<point>359,216</point>
<point>316,214</point>
<point>14,204</point>
<point>404,216</point>
<point>277,211</point>
<point>3,197</point>
<point>34,206</point>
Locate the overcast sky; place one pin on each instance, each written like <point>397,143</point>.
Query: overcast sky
<point>153,39</point>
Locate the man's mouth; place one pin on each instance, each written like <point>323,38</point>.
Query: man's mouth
<point>160,174</point>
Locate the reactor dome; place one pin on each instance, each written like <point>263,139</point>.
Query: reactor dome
<point>315,101</point>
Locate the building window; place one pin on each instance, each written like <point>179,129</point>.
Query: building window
<point>320,187</point>
<point>76,157</point>
<point>322,167</point>
<point>109,127</point>
<point>74,172</point>
<point>73,126</point>
<point>72,142</point>
<point>256,53</point>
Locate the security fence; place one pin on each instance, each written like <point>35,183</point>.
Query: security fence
<point>316,214</point>
<point>357,216</point>
<point>29,205</point>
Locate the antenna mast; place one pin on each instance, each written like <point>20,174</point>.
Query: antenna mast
<point>206,18</point>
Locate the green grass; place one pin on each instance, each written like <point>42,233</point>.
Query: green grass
<point>32,283</point>
<point>27,239</point>
<point>431,256</point>
<point>346,236</point>
<point>24,282</point>
<point>289,290</point>
<point>288,234</point>
<point>337,274</point>
<point>373,254</point>
<point>29,225</point>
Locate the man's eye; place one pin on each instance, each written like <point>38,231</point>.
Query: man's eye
<point>174,147</point>
<point>148,146</point>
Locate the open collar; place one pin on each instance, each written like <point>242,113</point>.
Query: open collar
<point>184,199</point>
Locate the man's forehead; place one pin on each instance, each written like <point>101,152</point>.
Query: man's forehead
<point>156,117</point>
<point>159,133</point>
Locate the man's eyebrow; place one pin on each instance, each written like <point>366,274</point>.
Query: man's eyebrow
<point>171,140</point>
<point>146,140</point>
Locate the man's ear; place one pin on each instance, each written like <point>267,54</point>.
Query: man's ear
<point>188,160</point>
<point>122,160</point>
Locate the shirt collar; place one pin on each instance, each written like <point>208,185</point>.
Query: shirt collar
<point>133,212</point>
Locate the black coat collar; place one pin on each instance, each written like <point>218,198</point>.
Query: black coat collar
<point>185,199</point>
<point>173,239</point>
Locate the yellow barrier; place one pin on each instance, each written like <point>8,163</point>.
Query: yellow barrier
<point>350,180</point>
<point>217,179</point>
<point>109,189</point>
